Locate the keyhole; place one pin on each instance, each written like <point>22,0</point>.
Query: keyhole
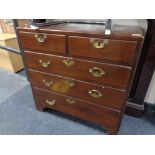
<point>98,43</point>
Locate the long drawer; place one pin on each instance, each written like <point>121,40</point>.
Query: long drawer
<point>76,107</point>
<point>93,93</point>
<point>44,43</point>
<point>89,71</point>
<point>106,49</point>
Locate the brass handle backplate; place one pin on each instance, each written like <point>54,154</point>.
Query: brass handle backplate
<point>96,72</point>
<point>68,62</point>
<point>70,101</point>
<point>47,83</point>
<point>70,83</point>
<point>95,93</point>
<point>99,43</point>
<point>51,103</point>
<point>44,64</point>
<point>41,38</point>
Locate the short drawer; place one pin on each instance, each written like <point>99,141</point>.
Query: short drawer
<point>100,95</point>
<point>100,73</point>
<point>43,43</point>
<point>77,108</point>
<point>106,49</point>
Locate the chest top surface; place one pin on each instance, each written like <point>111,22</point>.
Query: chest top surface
<point>117,31</point>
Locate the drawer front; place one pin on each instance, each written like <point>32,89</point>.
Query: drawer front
<point>78,108</point>
<point>108,75</point>
<point>93,93</point>
<point>105,49</point>
<point>44,43</point>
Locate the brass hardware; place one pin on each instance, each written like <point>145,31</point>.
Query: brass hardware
<point>70,101</point>
<point>68,62</point>
<point>41,38</point>
<point>70,83</point>
<point>44,64</point>
<point>47,83</point>
<point>95,93</point>
<point>50,102</point>
<point>99,43</point>
<point>96,72</point>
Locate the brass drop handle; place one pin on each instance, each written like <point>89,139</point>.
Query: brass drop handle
<point>99,43</point>
<point>95,93</point>
<point>41,38</point>
<point>47,83</point>
<point>70,83</point>
<point>68,62</point>
<point>44,64</point>
<point>70,101</point>
<point>51,103</point>
<point>96,72</point>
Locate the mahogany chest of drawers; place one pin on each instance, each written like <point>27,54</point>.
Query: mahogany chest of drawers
<point>78,70</point>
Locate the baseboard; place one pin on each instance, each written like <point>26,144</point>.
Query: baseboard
<point>133,109</point>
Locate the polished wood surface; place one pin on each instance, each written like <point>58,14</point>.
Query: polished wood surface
<point>80,70</point>
<point>53,43</point>
<point>80,108</point>
<point>80,89</point>
<point>102,81</point>
<point>116,50</point>
<point>88,30</point>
